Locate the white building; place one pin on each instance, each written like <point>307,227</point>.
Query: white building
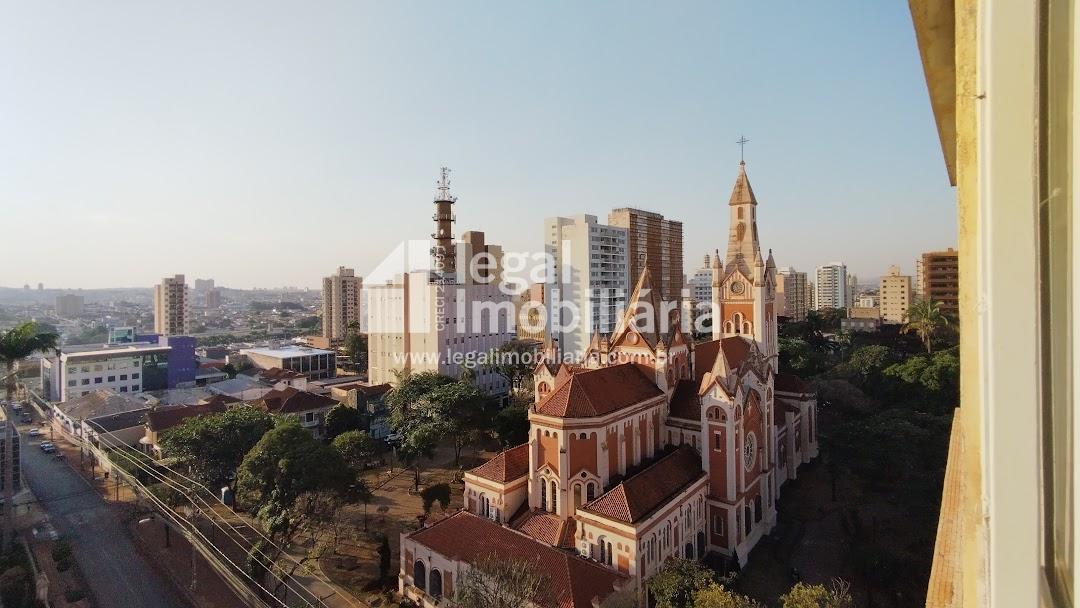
<point>416,325</point>
<point>315,363</point>
<point>341,304</point>
<point>831,287</point>
<point>588,280</point>
<point>124,368</point>
<point>700,282</point>
<point>172,307</point>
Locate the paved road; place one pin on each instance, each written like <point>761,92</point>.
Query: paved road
<point>114,570</point>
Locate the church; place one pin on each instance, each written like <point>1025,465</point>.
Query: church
<point>651,447</point>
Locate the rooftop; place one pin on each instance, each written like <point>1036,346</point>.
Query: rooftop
<point>597,392</point>
<point>99,403</point>
<point>507,466</point>
<point>638,497</point>
<point>130,348</point>
<point>285,352</point>
<point>116,422</point>
<point>571,581</point>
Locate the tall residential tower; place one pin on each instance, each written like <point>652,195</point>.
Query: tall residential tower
<point>341,294</point>
<point>172,310</point>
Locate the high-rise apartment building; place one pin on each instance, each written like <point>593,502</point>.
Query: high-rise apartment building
<point>831,287</point>
<point>172,310</point>
<point>894,295</point>
<point>654,240</point>
<point>203,285</point>
<point>212,298</point>
<point>69,305</point>
<point>792,298</point>
<point>700,283</point>
<point>941,280</point>
<point>341,295</point>
<point>587,284</point>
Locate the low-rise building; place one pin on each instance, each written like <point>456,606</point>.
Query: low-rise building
<point>307,408</point>
<point>369,401</point>
<point>78,370</point>
<point>157,421</point>
<point>71,415</point>
<point>315,363</point>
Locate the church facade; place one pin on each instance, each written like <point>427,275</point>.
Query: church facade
<point>652,447</point>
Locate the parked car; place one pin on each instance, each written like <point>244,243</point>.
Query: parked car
<point>35,432</point>
<point>47,447</point>
<point>26,418</point>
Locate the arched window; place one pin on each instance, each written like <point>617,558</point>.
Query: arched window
<point>689,549</point>
<point>737,320</point>
<point>728,327</point>
<point>603,550</point>
<point>543,495</point>
<point>757,508</point>
<point>746,519</point>
<point>701,544</point>
<point>590,492</point>
<point>746,327</point>
<point>543,388</point>
<point>484,507</point>
<point>577,495</point>
<point>435,590</point>
<point>554,494</point>
<point>419,576</point>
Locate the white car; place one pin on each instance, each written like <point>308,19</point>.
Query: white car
<point>35,432</point>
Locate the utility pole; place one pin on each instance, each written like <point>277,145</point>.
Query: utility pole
<point>9,480</point>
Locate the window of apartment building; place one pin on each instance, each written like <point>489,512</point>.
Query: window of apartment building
<point>123,376</point>
<point>1057,256</point>
<point>85,381</point>
<point>97,380</point>
<point>123,389</point>
<point>72,382</point>
<point>112,378</point>
<point>135,376</point>
<point>134,388</point>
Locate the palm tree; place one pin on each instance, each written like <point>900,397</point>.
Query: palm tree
<point>19,343</point>
<point>924,318</point>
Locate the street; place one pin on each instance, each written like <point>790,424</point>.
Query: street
<point>112,567</point>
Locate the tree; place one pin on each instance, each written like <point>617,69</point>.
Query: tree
<point>384,558</point>
<point>356,346</point>
<point>20,342</point>
<point>836,595</point>
<point>675,585</point>
<point>515,360</point>
<point>511,425</point>
<point>214,445</point>
<point>411,389</point>
<point>498,583</point>
<point>343,418</point>
<point>716,596</point>
<point>467,411</point>
<point>925,318</point>
<point>437,493</point>
<point>357,448</point>
<point>420,443</point>
<point>298,482</point>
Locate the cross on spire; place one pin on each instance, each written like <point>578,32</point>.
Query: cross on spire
<point>742,141</point>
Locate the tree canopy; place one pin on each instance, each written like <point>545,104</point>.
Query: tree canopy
<point>496,583</point>
<point>214,445</point>
<point>678,581</point>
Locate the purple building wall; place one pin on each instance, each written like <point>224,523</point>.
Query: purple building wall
<point>182,362</point>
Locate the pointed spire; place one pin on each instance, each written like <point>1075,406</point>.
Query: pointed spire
<point>770,262</point>
<point>742,193</point>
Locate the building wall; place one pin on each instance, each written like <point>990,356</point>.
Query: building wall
<point>941,280</point>
<point>341,303</point>
<point>590,273</point>
<point>894,295</point>
<point>791,294</point>
<point>172,307</point>
<point>832,287</point>
<point>661,241</point>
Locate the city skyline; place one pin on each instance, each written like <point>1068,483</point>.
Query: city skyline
<point>327,122</point>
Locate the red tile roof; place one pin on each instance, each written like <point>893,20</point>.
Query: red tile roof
<point>637,497</point>
<point>704,357</point>
<point>736,349</point>
<point>291,400</point>
<point>685,402</point>
<point>275,374</point>
<point>167,417</point>
<point>547,528</point>
<point>507,466</point>
<point>571,581</point>
<point>790,383</point>
<point>597,392</point>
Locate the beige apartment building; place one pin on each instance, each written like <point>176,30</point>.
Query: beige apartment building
<point>894,295</point>
<point>1004,85</point>
<point>172,308</point>
<point>939,279</point>
<point>792,293</point>
<point>341,303</point>
<point>656,240</point>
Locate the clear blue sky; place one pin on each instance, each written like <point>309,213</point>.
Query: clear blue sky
<point>267,143</point>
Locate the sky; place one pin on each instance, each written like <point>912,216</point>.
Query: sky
<point>267,143</point>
